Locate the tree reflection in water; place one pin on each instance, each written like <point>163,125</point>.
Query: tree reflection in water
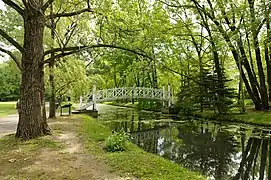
<point>217,150</point>
<point>212,150</point>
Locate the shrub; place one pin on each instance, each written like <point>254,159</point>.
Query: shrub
<point>117,142</point>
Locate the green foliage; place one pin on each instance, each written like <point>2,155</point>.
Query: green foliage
<point>9,81</point>
<point>206,92</point>
<point>117,142</point>
<point>70,79</point>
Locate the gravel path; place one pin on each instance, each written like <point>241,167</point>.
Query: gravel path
<point>8,124</point>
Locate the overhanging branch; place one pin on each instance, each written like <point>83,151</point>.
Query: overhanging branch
<point>69,14</point>
<point>71,50</point>
<point>47,4</point>
<point>16,60</point>
<point>14,6</point>
<point>260,26</point>
<point>12,41</point>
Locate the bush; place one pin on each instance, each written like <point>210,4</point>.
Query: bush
<point>117,142</point>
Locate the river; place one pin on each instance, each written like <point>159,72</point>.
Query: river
<point>218,150</point>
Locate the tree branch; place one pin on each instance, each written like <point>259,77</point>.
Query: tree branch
<point>14,6</point>
<point>73,50</point>
<point>69,14</point>
<point>60,56</point>
<point>260,26</point>
<point>12,41</point>
<point>47,4</point>
<point>16,60</point>
<point>64,49</point>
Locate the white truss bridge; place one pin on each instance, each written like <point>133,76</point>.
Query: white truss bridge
<point>107,95</point>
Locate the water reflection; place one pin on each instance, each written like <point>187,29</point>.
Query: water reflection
<point>220,151</point>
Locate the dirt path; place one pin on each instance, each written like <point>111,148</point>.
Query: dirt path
<point>69,160</point>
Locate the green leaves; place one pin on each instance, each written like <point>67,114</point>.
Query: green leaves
<point>117,142</point>
<point>9,81</point>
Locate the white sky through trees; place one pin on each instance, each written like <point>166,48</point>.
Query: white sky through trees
<point>1,4</point>
<point>3,56</point>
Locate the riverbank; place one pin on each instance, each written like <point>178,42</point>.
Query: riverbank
<point>76,151</point>
<point>252,117</point>
<point>130,105</point>
<point>134,161</point>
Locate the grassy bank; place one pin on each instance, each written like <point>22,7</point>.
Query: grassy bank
<point>122,104</point>
<point>134,161</point>
<point>7,108</point>
<point>259,118</point>
<point>250,117</point>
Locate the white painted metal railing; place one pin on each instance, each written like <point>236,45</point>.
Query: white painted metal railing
<point>107,95</point>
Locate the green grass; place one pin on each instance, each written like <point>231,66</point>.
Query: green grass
<point>261,118</point>
<point>249,117</point>
<point>7,108</point>
<point>122,104</point>
<point>134,161</point>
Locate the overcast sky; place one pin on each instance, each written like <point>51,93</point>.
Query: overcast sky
<point>1,4</point>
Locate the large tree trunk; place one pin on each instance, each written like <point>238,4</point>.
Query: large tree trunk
<point>267,53</point>
<point>31,123</point>
<point>252,84</point>
<point>263,89</point>
<point>45,128</point>
<point>52,112</point>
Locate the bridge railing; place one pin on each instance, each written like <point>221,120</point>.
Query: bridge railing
<point>128,93</point>
<point>132,92</point>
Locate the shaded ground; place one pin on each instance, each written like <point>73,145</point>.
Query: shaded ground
<point>62,156</point>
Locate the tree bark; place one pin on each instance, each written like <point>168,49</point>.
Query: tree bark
<point>267,53</point>
<point>52,112</point>
<point>263,89</point>
<point>45,128</point>
<point>31,123</point>
<point>252,84</point>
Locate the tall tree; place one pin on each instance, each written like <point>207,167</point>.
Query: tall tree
<point>35,18</point>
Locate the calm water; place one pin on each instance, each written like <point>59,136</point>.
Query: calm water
<point>220,151</point>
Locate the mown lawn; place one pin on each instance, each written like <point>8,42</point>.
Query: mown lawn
<point>261,118</point>
<point>134,161</point>
<point>7,108</point>
<point>250,117</point>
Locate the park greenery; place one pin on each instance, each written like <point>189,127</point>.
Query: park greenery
<point>42,157</point>
<point>215,54</point>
